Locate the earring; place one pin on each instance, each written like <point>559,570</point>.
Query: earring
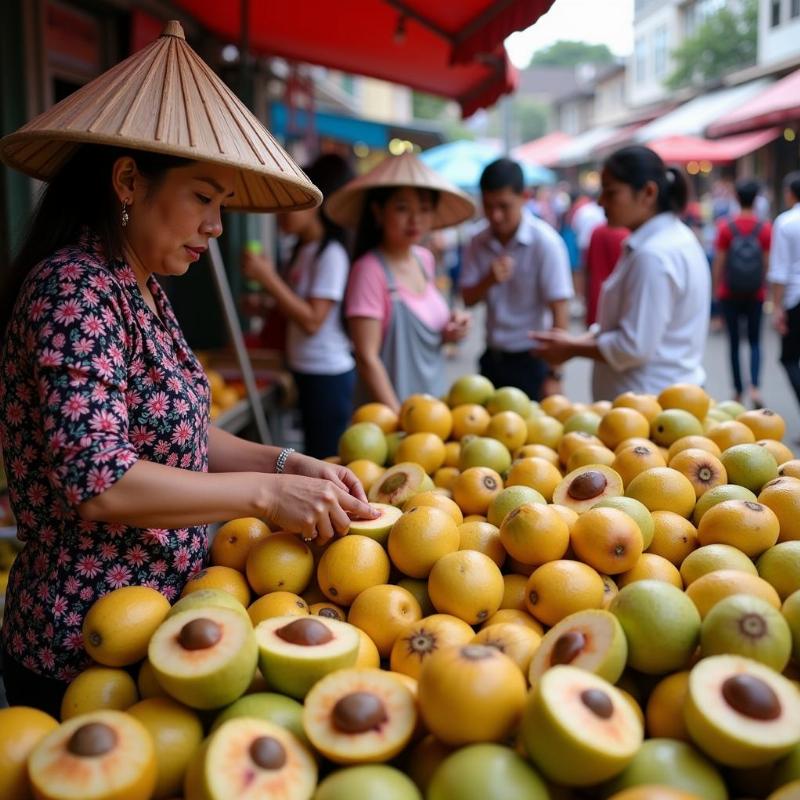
<point>125,216</point>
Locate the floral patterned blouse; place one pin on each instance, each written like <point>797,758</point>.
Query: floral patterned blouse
<point>92,381</point>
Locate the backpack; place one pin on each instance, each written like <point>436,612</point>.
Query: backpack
<point>744,265</point>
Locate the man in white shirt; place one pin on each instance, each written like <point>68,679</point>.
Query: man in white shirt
<point>784,276</point>
<point>519,265</point>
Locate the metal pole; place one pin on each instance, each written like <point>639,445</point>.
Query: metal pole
<point>235,333</point>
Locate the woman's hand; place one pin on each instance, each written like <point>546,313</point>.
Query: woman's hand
<point>343,478</point>
<point>554,346</point>
<point>258,268</point>
<point>457,326</point>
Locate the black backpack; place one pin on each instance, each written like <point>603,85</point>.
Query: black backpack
<point>744,265</point>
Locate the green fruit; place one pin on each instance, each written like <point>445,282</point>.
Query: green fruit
<point>741,713</point>
<point>636,509</point>
<point>791,613</point>
<point>203,598</point>
<point>377,529</point>
<point>470,389</point>
<point>273,707</point>
<point>508,499</point>
<point>392,443</point>
<point>370,782</point>
<point>363,440</point>
<point>295,652</point>
<point>586,421</point>
<point>674,424</point>
<point>749,465</point>
<point>719,494</point>
<point>592,640</point>
<point>579,729</point>
<point>204,657</point>
<point>747,626</point>
<point>780,567</point>
<point>486,772</point>
<point>787,769</point>
<point>661,623</point>
<point>509,398</point>
<point>712,557</point>
<point>668,762</point>
<point>730,408</point>
<point>484,452</point>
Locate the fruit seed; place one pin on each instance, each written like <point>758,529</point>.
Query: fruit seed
<point>91,740</point>
<point>267,753</point>
<point>751,697</point>
<point>567,648</point>
<point>199,634</point>
<point>307,632</point>
<point>597,701</point>
<point>358,712</point>
<point>587,485</point>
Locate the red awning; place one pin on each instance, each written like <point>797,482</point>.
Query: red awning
<point>544,151</point>
<point>683,149</point>
<point>454,50</point>
<point>777,105</point>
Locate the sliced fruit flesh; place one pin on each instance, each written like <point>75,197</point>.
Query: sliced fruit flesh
<point>344,638</point>
<point>304,632</point>
<point>587,485</point>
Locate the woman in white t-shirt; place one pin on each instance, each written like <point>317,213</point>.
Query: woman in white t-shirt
<point>317,346</point>
<point>653,308</point>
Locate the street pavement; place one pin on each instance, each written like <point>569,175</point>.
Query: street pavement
<point>775,389</point>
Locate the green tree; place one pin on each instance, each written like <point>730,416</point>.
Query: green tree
<point>725,41</point>
<point>565,53</point>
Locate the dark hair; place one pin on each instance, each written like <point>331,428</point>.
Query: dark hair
<point>502,174</point>
<point>637,166</point>
<point>80,195</point>
<point>792,183</point>
<point>368,232</point>
<point>746,191</point>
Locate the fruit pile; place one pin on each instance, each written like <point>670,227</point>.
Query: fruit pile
<point>557,601</point>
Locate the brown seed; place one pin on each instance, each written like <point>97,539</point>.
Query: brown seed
<point>567,647</point>
<point>268,753</point>
<point>751,697</point>
<point>307,632</point>
<point>393,483</point>
<point>91,740</point>
<point>587,485</point>
<point>597,701</point>
<point>359,712</point>
<point>199,634</point>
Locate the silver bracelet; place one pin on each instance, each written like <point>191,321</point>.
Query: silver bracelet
<point>283,456</point>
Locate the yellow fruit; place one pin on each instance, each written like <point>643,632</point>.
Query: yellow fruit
<point>713,557</point>
<point>780,452</point>
<point>515,641</point>
<point>216,383</point>
<point>452,454</point>
<point>765,423</point>
<point>575,440</point>
<point>377,413</point>
<point>537,451</point>
<point>560,588</point>
<point>790,469</point>
<point>651,567</point>
<point>534,534</point>
<point>569,515</point>
<point>482,537</point>
<point>383,612</point>
<point>632,461</point>
<point>513,592</point>
<point>424,638</point>
<point>354,563</point>
<point>470,419</point>
<point>674,537</point>
<point>509,428</point>
<point>234,540</point>
<point>622,423</point>
<point>118,626</point>
<point>664,712</point>
<point>693,443</point>
<point>474,489</point>
<point>467,585</point>
<point>366,471</point>
<point>21,729</point>
<point>329,610</point>
<point>751,527</point>
<point>435,500</point>
<point>277,604</point>
<point>782,495</point>
<point>544,431</point>
<point>422,413</point>
<point>645,404</point>
<point>704,470</point>
<point>607,539</point>
<point>687,396</point>
<point>282,562</point>
<point>634,441</point>
<point>147,683</point>
<point>610,590</point>
<point>177,734</point>
<point>709,589</point>
<point>423,448</point>
<point>368,655</point>
<point>444,477</point>
<point>224,578</point>
<point>727,434</point>
<point>96,688</point>
<point>515,617</point>
<point>662,488</point>
<point>591,454</point>
<point>555,404</point>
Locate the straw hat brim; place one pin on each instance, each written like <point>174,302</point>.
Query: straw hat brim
<point>165,99</point>
<point>346,206</point>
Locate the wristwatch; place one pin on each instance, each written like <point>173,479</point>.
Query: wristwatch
<point>280,462</point>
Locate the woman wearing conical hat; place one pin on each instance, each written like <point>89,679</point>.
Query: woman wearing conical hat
<point>113,469</point>
<point>398,319</point>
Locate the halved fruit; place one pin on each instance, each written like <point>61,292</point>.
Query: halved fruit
<point>356,716</point>
<point>104,754</point>
<point>205,657</point>
<point>578,729</point>
<point>377,529</point>
<point>585,486</point>
<point>741,712</point>
<point>398,483</point>
<point>592,640</point>
<point>273,707</point>
<point>249,759</point>
<point>294,653</point>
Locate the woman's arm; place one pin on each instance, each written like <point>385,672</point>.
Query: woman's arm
<point>557,346</point>
<point>367,336</point>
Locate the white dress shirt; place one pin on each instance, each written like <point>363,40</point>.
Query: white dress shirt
<point>653,312</point>
<point>784,255</point>
<point>541,277</point>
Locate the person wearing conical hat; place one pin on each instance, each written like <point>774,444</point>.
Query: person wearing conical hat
<point>397,318</point>
<point>113,470</point>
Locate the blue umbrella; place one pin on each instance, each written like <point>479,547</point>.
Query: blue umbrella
<point>463,161</point>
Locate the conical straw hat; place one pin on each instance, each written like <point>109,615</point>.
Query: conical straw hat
<point>345,206</point>
<point>165,99</point>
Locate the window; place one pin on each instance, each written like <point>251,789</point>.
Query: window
<point>660,47</point>
<point>775,19</point>
<point>795,12</point>
<point>640,60</point>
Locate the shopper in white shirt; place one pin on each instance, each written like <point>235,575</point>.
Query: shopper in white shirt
<point>519,265</point>
<point>317,346</point>
<point>653,310</point>
<point>784,276</point>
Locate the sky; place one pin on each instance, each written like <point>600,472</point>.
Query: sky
<point>607,22</point>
